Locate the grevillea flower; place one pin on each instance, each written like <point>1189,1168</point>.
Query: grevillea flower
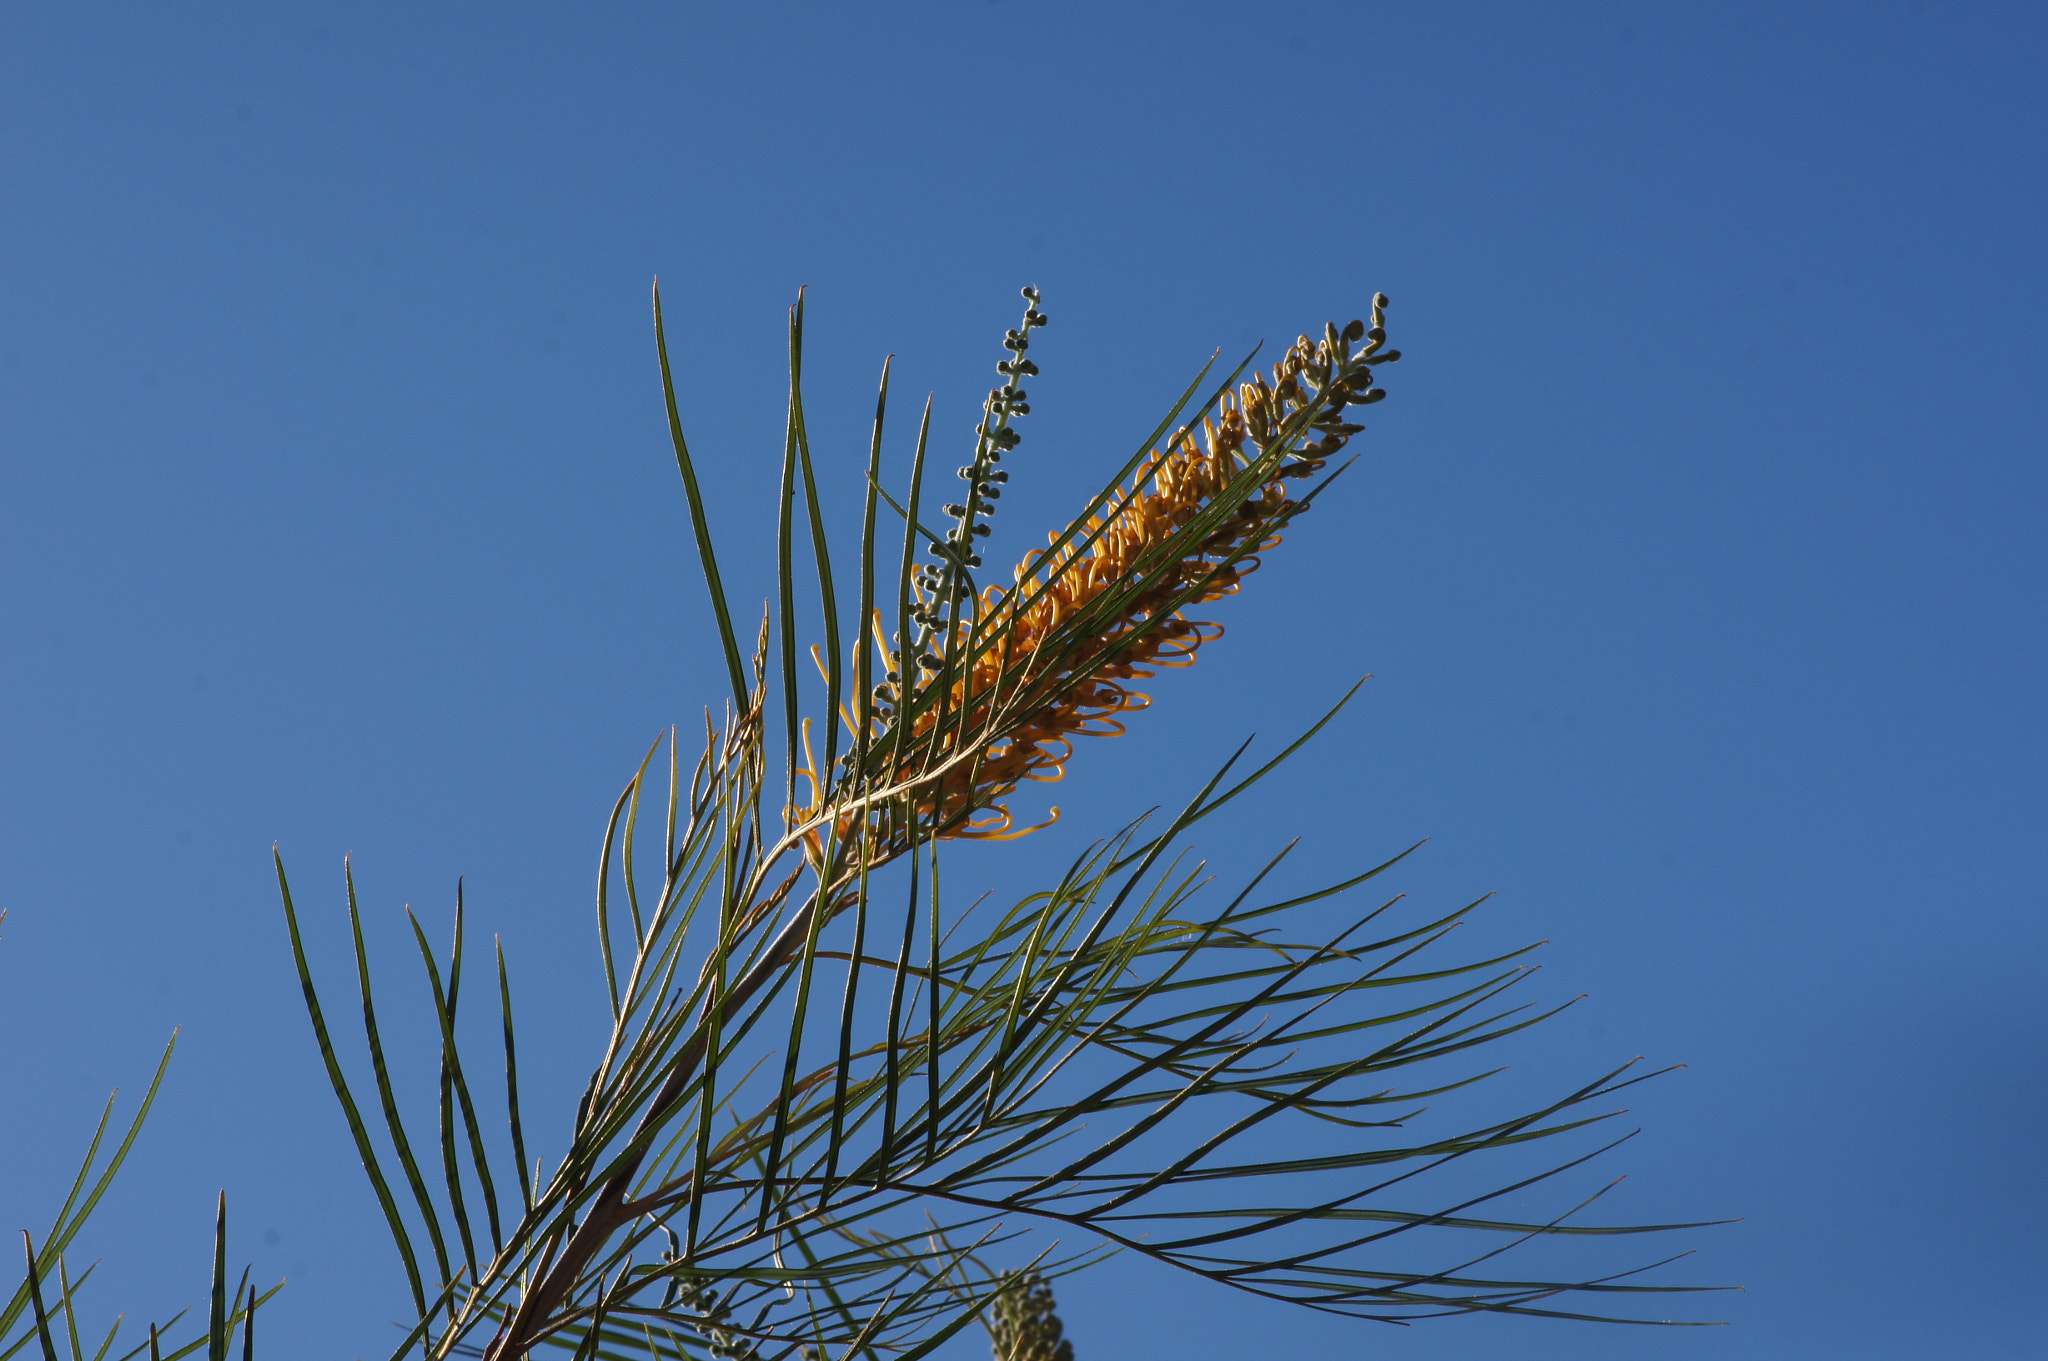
<point>1017,673</point>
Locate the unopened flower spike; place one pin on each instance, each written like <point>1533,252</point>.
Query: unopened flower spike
<point>944,586</point>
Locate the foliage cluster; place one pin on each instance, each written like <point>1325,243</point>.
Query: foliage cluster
<point>833,1104</point>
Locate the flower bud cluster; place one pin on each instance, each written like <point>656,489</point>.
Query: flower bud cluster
<point>1023,1323</point>
<point>1326,375</point>
<point>946,584</point>
<point>723,1338</point>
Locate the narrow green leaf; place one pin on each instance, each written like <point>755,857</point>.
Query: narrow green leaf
<point>451,1162</point>
<point>419,1330</point>
<point>108,1345</point>
<point>933,1049</point>
<point>828,599</point>
<point>700,526</point>
<point>70,1312</point>
<point>863,622</point>
<point>361,1133</point>
<point>907,665</point>
<point>799,1011</point>
<point>35,1294</point>
<point>512,1079</point>
<point>626,807</point>
<point>892,1083</point>
<point>70,1220</point>
<point>470,1124</point>
<point>675,796</point>
<point>386,1098</point>
<point>785,558</point>
<point>1296,745</point>
<point>217,1317</point>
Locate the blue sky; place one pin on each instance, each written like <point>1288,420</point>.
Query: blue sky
<point>1696,556</point>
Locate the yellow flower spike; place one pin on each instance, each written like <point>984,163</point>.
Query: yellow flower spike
<point>1021,685</point>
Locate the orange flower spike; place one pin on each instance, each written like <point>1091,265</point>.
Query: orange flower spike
<point>1168,491</point>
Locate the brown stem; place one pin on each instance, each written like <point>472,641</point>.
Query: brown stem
<point>613,1207</point>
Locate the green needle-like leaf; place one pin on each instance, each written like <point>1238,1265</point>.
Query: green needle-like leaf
<point>393,1123</point>
<point>34,1286</point>
<point>357,1129</point>
<point>217,1333</point>
<point>700,525</point>
<point>512,1080</point>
